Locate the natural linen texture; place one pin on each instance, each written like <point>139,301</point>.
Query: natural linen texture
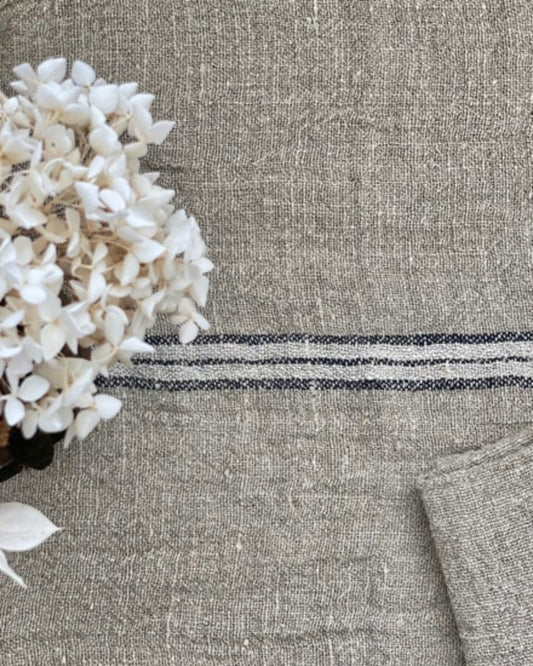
<point>340,472</point>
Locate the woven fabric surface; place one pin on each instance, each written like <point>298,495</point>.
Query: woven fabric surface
<point>480,505</point>
<point>281,492</point>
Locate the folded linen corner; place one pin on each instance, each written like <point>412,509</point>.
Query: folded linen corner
<point>480,510</point>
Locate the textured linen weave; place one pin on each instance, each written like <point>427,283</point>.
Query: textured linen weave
<point>341,471</point>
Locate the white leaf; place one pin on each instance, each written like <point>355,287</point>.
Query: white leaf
<point>86,422</point>
<point>23,527</point>
<point>33,388</point>
<point>14,411</point>
<point>159,131</point>
<point>107,406</point>
<point>82,73</point>
<point>5,568</point>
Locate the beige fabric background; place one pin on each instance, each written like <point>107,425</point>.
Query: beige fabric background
<point>357,167</point>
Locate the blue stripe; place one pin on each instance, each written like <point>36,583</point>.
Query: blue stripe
<point>344,362</point>
<point>421,339</point>
<point>316,384</point>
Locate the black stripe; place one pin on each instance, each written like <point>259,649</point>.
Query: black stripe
<point>419,339</point>
<point>316,384</point>
<point>345,362</point>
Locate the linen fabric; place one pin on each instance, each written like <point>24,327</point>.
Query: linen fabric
<point>340,470</point>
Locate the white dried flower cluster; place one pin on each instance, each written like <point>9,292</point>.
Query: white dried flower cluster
<point>91,249</point>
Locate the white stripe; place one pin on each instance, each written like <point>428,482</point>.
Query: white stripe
<point>230,350</point>
<point>299,371</point>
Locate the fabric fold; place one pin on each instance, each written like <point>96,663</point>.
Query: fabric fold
<point>480,509</point>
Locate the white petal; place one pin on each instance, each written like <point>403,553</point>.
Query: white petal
<point>25,216</point>
<point>100,251</point>
<point>203,264</point>
<point>29,424</point>
<point>75,114</point>
<point>201,321</point>
<point>33,388</point>
<point>140,215</point>
<point>97,118</point>
<point>107,406</point>
<point>5,568</point>
<point>140,123</point>
<point>86,422</point>
<point>136,149</point>
<point>23,527</point>
<point>96,166</point>
<point>188,332</point>
<point>32,294</point>
<point>56,421</point>
<point>112,200</point>
<point>147,250</point>
<point>53,69</point>
<point>104,140</point>
<point>14,411</point>
<point>19,87</point>
<point>13,319</point>
<point>88,193</point>
<point>20,364</point>
<point>199,289</point>
<point>130,269</point>
<point>104,97</point>
<point>82,73</point>
<point>100,354</point>
<point>69,435</point>
<point>143,99</point>
<point>97,286</point>
<point>133,344</point>
<point>24,71</point>
<point>114,328</point>
<point>53,340</point>
<point>48,96</point>
<point>159,131</point>
<point>24,248</point>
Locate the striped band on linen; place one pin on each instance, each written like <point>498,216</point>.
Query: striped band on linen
<point>295,361</point>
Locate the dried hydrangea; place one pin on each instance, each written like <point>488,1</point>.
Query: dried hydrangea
<point>91,248</point>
